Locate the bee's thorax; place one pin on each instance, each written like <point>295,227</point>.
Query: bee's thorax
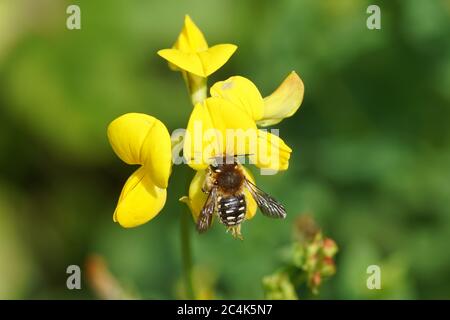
<point>229,178</point>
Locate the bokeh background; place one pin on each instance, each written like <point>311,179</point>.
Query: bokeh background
<point>371,143</point>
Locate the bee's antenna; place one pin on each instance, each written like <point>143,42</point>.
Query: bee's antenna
<point>219,159</point>
<point>234,155</point>
<point>244,155</point>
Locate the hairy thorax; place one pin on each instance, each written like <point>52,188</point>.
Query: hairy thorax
<point>229,178</point>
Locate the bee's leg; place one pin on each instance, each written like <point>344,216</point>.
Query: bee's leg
<point>205,187</point>
<point>236,232</point>
<point>208,183</point>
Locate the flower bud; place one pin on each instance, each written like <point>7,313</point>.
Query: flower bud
<point>329,247</point>
<point>328,267</point>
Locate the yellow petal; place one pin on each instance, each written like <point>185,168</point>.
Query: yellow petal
<point>217,127</point>
<point>157,154</point>
<point>127,134</point>
<point>138,138</point>
<point>215,57</point>
<point>189,62</point>
<point>273,153</point>
<point>241,92</point>
<point>226,115</point>
<point>140,200</point>
<point>251,203</point>
<point>238,132</point>
<point>284,101</point>
<point>191,38</point>
<point>201,63</point>
<point>200,142</point>
<point>197,198</point>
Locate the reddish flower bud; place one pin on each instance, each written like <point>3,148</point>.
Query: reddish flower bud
<point>316,279</point>
<point>329,247</point>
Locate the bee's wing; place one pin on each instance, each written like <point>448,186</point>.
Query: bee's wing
<point>205,218</point>
<point>268,205</point>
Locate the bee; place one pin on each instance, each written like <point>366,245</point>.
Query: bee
<point>225,185</point>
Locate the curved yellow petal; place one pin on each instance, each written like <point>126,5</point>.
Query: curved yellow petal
<point>284,101</point>
<point>273,153</point>
<point>157,154</point>
<point>241,92</point>
<point>217,127</point>
<point>201,63</point>
<point>191,38</point>
<point>127,133</point>
<point>187,61</point>
<point>138,138</point>
<point>140,200</point>
<point>215,57</point>
<point>200,140</point>
<point>226,115</point>
<point>197,198</point>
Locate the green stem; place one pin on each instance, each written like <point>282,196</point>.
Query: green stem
<point>196,86</point>
<point>197,89</point>
<point>186,254</point>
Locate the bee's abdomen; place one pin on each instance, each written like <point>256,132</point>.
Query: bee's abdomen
<point>232,210</point>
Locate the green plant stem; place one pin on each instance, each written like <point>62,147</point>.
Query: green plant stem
<point>186,254</point>
<point>196,87</point>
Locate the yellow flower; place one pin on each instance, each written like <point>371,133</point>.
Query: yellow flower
<point>235,104</point>
<point>192,54</point>
<point>226,123</point>
<point>140,139</point>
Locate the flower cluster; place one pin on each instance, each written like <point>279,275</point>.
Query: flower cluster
<point>310,261</point>
<point>233,104</point>
<point>316,259</point>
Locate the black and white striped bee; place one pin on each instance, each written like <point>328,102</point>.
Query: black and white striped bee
<point>225,185</point>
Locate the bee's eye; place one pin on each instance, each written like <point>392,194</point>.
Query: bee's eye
<point>215,182</point>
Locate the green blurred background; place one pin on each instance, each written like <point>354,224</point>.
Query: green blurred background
<point>371,142</point>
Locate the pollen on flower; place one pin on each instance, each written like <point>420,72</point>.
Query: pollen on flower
<point>227,85</point>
